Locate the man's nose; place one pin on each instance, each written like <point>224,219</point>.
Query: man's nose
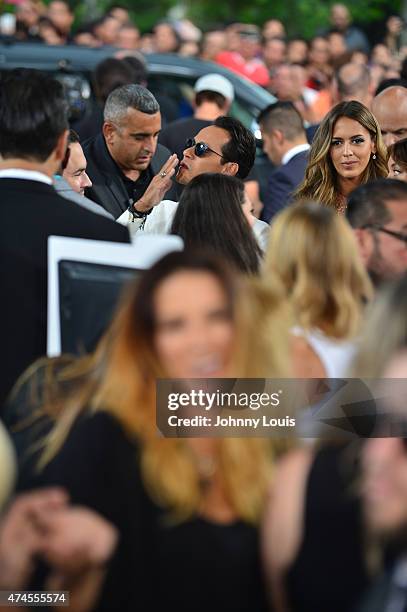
<point>86,181</point>
<point>187,151</point>
<point>150,143</point>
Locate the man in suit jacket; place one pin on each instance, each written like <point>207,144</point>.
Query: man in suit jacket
<point>33,137</point>
<point>124,159</point>
<point>285,144</point>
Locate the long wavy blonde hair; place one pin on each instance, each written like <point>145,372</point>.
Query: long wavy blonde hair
<point>320,183</point>
<point>120,378</point>
<point>313,253</point>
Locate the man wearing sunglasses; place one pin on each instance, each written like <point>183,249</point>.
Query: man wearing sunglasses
<point>226,147</point>
<point>377,213</point>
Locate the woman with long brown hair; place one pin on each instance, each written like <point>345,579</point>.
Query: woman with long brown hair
<point>347,151</point>
<point>186,508</point>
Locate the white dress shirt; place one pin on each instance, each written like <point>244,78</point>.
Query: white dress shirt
<point>27,175</point>
<point>294,151</point>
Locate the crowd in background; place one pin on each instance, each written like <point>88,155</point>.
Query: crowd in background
<point>292,68</point>
<point>306,279</point>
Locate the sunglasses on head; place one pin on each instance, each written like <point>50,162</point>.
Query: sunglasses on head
<point>200,148</point>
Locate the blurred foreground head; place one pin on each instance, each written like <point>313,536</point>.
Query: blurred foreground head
<point>210,215</point>
<point>385,458</point>
<point>189,316</point>
<point>33,118</point>
<point>313,253</point>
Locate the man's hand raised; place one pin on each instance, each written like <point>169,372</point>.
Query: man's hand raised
<point>158,187</point>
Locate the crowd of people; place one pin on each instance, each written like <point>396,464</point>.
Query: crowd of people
<point>306,280</point>
<point>291,67</point>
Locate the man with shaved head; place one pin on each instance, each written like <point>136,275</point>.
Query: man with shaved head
<point>353,83</point>
<point>390,110</point>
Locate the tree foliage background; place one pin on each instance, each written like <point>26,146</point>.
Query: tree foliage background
<point>301,17</point>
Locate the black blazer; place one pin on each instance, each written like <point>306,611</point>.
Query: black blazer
<point>283,181</point>
<point>108,189</point>
<point>31,211</point>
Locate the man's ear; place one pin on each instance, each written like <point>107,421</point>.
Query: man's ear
<point>108,131</point>
<point>230,168</point>
<point>364,240</point>
<point>61,146</point>
<point>278,135</point>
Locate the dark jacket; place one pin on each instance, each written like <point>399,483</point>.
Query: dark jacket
<point>108,188</point>
<point>283,181</point>
<point>31,212</point>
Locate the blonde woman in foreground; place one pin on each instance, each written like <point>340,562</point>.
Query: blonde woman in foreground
<point>315,528</point>
<point>312,253</point>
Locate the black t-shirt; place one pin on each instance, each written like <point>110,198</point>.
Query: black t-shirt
<point>136,189</point>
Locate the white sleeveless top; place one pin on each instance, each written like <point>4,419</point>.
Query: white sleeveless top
<point>335,355</point>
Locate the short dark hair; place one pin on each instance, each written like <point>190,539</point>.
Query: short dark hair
<point>398,151</point>
<point>73,138</point>
<point>282,116</point>
<point>241,148</point>
<point>367,204</point>
<point>138,64</point>
<point>210,96</point>
<point>386,83</point>
<point>210,216</point>
<point>110,74</point>
<point>33,114</point>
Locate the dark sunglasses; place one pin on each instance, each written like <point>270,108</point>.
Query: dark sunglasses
<point>200,148</point>
<point>397,235</point>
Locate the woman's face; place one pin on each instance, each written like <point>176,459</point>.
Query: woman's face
<point>397,170</point>
<point>351,148</point>
<point>248,210</point>
<point>194,330</point>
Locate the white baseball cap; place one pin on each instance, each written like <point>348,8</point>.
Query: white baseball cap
<point>217,83</point>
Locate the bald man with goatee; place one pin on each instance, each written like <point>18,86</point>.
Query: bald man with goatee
<point>390,110</point>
